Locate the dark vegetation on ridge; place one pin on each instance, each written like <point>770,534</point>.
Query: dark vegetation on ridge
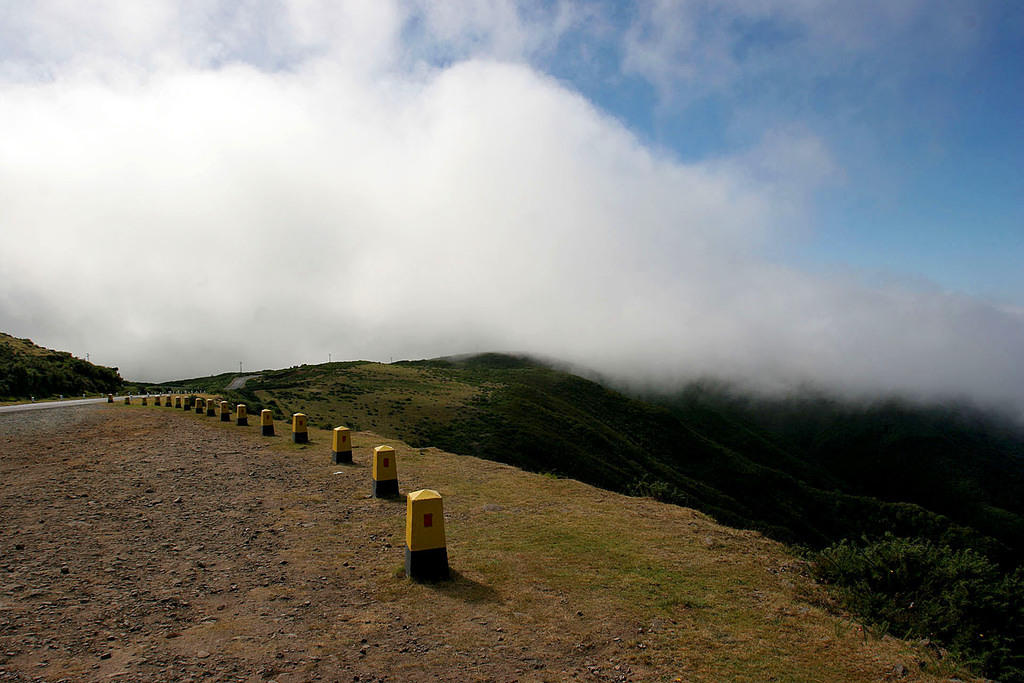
<point>949,460</point>
<point>916,513</point>
<point>27,370</point>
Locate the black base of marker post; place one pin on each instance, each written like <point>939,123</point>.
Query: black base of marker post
<point>427,565</point>
<point>242,422</point>
<point>300,437</point>
<point>388,488</point>
<point>225,417</point>
<point>339,457</point>
<point>267,430</point>
<point>211,411</point>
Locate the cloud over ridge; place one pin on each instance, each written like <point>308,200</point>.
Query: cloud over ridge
<point>183,204</point>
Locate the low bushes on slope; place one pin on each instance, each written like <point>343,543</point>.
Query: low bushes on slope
<point>913,587</point>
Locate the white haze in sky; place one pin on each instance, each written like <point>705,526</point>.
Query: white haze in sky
<point>184,189</point>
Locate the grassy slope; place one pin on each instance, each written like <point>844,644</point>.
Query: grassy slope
<point>577,578</point>
<point>30,370</point>
<point>811,485</point>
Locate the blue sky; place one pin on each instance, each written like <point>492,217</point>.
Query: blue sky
<point>778,193</point>
<point>925,127</point>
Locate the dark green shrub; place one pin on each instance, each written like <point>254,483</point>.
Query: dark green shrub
<point>914,588</point>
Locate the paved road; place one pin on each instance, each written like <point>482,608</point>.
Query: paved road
<point>55,404</point>
<point>239,382</point>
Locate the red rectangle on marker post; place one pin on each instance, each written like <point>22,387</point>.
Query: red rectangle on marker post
<point>428,519</point>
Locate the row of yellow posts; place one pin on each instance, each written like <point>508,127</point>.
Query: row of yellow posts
<point>426,553</point>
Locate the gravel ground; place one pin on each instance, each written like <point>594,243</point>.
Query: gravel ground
<point>119,532</point>
<point>143,544</point>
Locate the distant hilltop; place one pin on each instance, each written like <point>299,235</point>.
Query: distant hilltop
<point>31,371</point>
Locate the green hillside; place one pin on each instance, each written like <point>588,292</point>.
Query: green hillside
<point>832,472</point>
<point>29,370</point>
<point>808,471</point>
<point>951,460</point>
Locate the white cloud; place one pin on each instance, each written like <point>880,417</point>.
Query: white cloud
<point>175,221</point>
<point>499,29</point>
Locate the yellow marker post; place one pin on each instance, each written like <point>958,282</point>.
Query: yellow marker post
<point>241,416</point>
<point>426,553</point>
<point>300,432</point>
<point>167,401</point>
<point>211,408</point>
<point>341,445</point>
<point>143,400</point>
<point>225,412</point>
<point>200,405</point>
<point>266,422</point>
<point>186,402</point>
<point>128,400</point>
<point>110,398</point>
<point>385,472</point>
